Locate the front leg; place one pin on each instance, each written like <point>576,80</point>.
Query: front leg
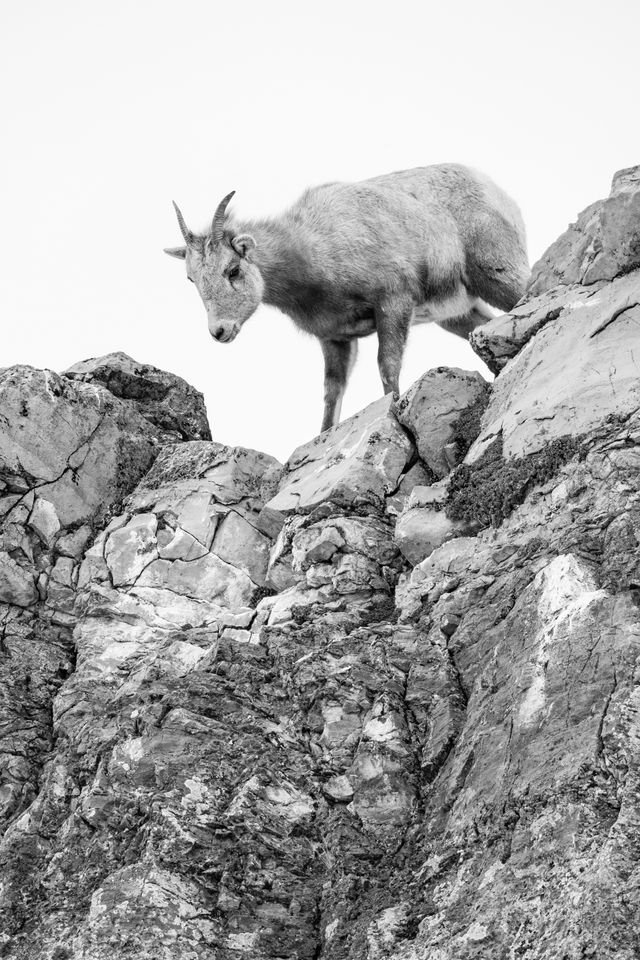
<point>393,320</point>
<point>339,358</point>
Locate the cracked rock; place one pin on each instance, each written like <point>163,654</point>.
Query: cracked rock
<point>175,408</point>
<point>356,463</point>
<point>70,451</point>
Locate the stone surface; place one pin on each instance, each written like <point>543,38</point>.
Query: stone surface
<point>69,453</point>
<point>536,791</point>
<point>603,244</point>
<point>358,462</point>
<point>173,406</point>
<point>75,444</point>
<point>503,337</point>
<point>424,525</point>
<point>577,371</point>
<point>186,548</point>
<point>442,411</point>
<point>321,728</point>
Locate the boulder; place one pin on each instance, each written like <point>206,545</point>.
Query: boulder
<point>602,245</point>
<point>356,464</point>
<point>186,545</point>
<point>173,406</point>
<point>442,411</point>
<point>576,373</point>
<point>424,524</point>
<point>503,337</point>
<point>77,445</point>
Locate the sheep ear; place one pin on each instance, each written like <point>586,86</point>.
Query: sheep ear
<point>243,244</point>
<point>179,252</point>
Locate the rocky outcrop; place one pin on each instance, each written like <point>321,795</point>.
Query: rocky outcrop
<point>379,702</point>
<point>173,406</point>
<point>602,246</point>
<point>68,453</point>
<point>442,412</point>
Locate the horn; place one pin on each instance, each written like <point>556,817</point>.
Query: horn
<point>217,224</point>
<point>186,233</point>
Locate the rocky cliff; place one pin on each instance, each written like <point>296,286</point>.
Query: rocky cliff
<point>379,702</point>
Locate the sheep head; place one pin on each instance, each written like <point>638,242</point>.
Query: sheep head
<point>219,264</point>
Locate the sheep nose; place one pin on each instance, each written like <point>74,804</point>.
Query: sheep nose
<point>218,334</point>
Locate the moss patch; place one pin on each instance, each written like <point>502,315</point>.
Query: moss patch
<point>467,427</point>
<point>483,494</point>
<point>260,593</point>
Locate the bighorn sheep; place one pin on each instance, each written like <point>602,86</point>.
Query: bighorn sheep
<point>433,244</point>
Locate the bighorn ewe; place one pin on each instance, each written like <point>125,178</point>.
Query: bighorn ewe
<point>433,244</point>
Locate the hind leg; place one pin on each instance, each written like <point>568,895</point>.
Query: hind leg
<point>462,326</point>
<point>497,268</point>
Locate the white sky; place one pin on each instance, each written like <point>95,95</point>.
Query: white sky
<point>110,110</point>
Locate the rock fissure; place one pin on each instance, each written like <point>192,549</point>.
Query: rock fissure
<point>614,686</point>
<point>614,316</point>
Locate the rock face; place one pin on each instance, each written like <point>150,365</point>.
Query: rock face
<point>603,245</point>
<point>358,463</point>
<point>442,411</point>
<point>170,403</point>
<point>381,702</point>
<point>68,453</point>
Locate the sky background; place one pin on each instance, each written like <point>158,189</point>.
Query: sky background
<point>111,110</point>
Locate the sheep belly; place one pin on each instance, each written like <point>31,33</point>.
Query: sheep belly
<point>458,304</point>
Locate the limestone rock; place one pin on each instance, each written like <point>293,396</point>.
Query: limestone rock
<point>130,548</point>
<point>175,408</point>
<point>186,548</point>
<point>442,411</point>
<point>424,524</point>
<point>356,463</point>
<point>416,476</point>
<point>503,337</point>
<point>603,244</point>
<point>81,448</point>
<point>280,575</point>
<point>578,371</point>
<point>17,583</point>
<point>44,520</point>
<point>69,453</point>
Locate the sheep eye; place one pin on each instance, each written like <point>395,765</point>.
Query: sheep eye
<point>190,279</point>
<point>234,273</point>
